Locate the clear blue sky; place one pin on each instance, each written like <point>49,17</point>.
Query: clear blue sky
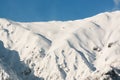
<point>47,10</point>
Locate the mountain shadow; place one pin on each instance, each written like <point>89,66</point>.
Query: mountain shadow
<point>11,59</point>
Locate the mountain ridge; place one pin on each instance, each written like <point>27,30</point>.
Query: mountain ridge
<point>86,49</point>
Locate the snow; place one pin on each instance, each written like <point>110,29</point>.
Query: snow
<point>86,49</point>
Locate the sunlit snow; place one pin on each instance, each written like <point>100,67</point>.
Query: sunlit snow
<point>86,49</point>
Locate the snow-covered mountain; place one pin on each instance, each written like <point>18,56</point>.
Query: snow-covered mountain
<point>87,49</point>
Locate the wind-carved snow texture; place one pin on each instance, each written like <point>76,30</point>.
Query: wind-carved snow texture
<point>87,49</point>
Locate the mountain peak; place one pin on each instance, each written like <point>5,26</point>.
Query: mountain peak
<point>86,49</point>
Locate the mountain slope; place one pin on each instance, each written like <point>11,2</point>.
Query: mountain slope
<point>87,49</point>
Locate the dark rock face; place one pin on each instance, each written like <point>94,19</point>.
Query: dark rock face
<point>113,74</point>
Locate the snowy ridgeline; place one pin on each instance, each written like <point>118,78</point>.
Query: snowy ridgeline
<point>87,49</point>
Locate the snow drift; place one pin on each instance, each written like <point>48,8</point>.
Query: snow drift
<point>87,49</point>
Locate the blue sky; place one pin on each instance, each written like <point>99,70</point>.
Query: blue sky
<point>47,10</point>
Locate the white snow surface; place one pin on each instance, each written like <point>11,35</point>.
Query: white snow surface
<point>86,49</point>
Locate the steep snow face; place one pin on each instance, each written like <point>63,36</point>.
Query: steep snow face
<point>87,49</point>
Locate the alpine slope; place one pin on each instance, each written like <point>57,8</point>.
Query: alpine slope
<point>85,49</point>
